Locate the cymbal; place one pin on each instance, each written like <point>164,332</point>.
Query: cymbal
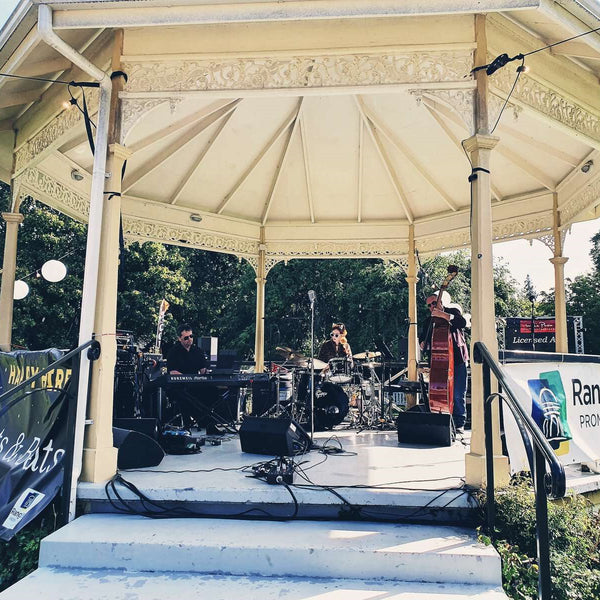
<point>297,359</point>
<point>284,351</point>
<point>319,364</point>
<point>367,355</point>
<point>370,365</point>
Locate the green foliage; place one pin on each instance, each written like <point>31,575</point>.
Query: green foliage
<point>216,293</point>
<point>19,556</point>
<point>574,544</point>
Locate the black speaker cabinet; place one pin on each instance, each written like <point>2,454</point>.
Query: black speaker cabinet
<point>136,450</point>
<point>148,427</point>
<point>433,429</point>
<point>277,437</point>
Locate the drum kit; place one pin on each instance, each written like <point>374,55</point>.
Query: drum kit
<point>344,387</point>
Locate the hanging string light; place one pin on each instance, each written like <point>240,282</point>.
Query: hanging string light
<point>53,270</point>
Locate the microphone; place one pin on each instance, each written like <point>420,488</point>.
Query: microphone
<point>311,295</point>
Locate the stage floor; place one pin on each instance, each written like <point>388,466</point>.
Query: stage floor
<point>374,476</point>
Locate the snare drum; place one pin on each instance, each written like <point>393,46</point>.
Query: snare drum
<point>340,370</point>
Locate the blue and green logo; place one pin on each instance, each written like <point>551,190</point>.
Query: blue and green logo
<point>549,409</point>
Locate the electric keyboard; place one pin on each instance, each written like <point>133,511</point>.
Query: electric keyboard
<point>216,379</point>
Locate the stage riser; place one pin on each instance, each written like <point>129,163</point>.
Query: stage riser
<point>273,549</point>
<point>401,514</point>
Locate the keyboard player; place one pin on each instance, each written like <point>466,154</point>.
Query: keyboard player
<point>194,402</point>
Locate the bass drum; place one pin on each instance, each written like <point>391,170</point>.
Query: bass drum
<point>331,402</point>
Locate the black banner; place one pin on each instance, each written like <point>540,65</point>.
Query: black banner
<point>33,431</point>
<point>518,334</point>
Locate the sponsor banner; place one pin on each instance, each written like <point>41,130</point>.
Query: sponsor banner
<point>517,334</point>
<point>32,437</point>
<point>564,400</point>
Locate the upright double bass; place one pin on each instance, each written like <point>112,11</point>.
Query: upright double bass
<point>441,376</point>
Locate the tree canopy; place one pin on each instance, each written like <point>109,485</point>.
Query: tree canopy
<point>216,293</point>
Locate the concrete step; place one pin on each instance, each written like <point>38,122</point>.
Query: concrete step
<point>64,584</point>
<point>323,549</point>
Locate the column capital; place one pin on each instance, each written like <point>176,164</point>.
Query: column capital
<point>119,151</point>
<point>559,260</point>
<point>411,279</point>
<point>480,142</point>
<point>13,217</point>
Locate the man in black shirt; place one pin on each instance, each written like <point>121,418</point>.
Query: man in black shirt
<point>195,402</point>
<point>184,357</point>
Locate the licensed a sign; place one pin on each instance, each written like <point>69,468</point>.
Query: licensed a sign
<point>517,334</point>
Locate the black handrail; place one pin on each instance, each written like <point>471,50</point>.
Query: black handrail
<point>545,484</point>
<point>93,353</point>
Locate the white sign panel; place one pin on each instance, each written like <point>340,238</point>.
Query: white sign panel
<point>564,400</point>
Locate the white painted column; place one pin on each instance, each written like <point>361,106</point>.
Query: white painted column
<point>560,301</point>
<point>483,329</point>
<point>413,339</point>
<point>99,456</point>
<point>482,311</point>
<point>261,280</point>
<point>9,267</point>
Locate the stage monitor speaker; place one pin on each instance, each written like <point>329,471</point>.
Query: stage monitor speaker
<point>277,437</point>
<point>147,426</point>
<point>264,396</point>
<point>433,429</point>
<point>136,450</point>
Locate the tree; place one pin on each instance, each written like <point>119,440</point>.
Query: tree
<point>216,293</point>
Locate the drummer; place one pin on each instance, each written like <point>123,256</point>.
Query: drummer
<point>337,346</point>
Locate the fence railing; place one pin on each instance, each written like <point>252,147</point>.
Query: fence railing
<point>93,352</point>
<point>539,452</point>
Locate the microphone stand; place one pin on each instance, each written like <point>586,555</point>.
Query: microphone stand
<point>312,370</point>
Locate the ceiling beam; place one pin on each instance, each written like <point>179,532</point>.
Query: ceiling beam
<point>280,165</point>
<point>148,167</point>
<point>413,160</point>
<point>19,98</point>
<point>385,159</point>
<point>72,144</point>
<point>576,49</point>
<point>430,105</point>
<point>522,163</point>
<point>44,67</point>
<point>129,14</point>
<point>20,55</point>
<point>186,178</point>
<point>204,112</point>
<point>303,137</point>
<point>238,184</point>
<point>538,145</point>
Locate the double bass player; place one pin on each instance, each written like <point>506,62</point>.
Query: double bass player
<point>456,323</point>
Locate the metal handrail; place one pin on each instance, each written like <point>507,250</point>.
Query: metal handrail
<point>545,484</point>
<point>93,353</point>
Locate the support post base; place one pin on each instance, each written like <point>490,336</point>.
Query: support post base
<point>99,464</point>
<point>475,470</point>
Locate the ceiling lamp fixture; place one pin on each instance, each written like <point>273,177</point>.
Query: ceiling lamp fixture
<point>586,167</point>
<point>195,217</point>
<point>76,175</point>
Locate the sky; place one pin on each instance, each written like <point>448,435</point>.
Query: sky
<point>521,257</point>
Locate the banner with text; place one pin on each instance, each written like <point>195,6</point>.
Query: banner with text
<point>32,437</point>
<point>564,400</point>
